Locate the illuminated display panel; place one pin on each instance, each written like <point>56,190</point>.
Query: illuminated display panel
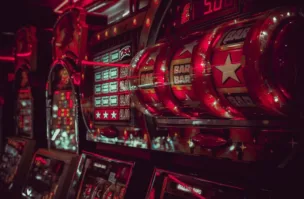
<point>211,9</point>
<point>168,185</point>
<point>63,133</point>
<point>24,106</point>
<point>10,160</point>
<point>106,100</point>
<point>111,94</point>
<point>111,88</point>
<point>183,12</point>
<point>43,177</point>
<point>24,113</point>
<point>104,178</point>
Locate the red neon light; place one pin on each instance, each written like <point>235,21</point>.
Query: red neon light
<point>148,22</point>
<point>91,63</point>
<point>24,54</point>
<point>186,13</point>
<point>41,160</point>
<point>215,5</point>
<point>219,6</point>
<point>7,58</point>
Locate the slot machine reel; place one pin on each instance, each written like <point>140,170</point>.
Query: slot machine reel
<point>244,73</point>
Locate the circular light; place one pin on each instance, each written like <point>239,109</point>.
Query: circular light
<point>148,22</point>
<point>98,36</point>
<point>115,30</point>
<point>107,33</point>
<point>134,21</point>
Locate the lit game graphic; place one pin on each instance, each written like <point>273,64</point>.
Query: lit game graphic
<point>104,178</point>
<point>109,112</point>
<point>24,107</point>
<point>24,113</point>
<point>10,161</point>
<point>63,134</point>
<point>43,178</point>
<point>168,185</point>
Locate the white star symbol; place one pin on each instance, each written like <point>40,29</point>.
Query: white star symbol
<point>293,142</point>
<point>229,69</point>
<point>105,114</point>
<point>98,115</point>
<point>113,114</point>
<point>243,147</point>
<point>152,56</point>
<point>188,47</point>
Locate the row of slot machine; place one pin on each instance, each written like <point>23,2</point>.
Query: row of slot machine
<point>180,99</point>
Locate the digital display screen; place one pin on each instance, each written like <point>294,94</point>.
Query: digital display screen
<point>98,77</point>
<point>10,160</point>
<point>168,185</point>
<point>211,9</point>
<point>112,95</point>
<point>24,113</point>
<point>104,178</point>
<point>43,178</point>
<point>183,12</point>
<point>105,58</point>
<point>63,135</point>
<point>105,75</point>
<point>115,56</point>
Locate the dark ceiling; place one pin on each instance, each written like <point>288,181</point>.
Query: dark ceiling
<point>16,13</point>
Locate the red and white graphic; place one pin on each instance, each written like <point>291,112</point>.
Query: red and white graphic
<point>152,57</point>
<point>229,70</point>
<point>188,47</point>
<point>106,114</point>
<point>181,72</point>
<point>125,52</point>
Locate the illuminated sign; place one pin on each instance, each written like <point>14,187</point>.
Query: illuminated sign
<point>146,78</point>
<point>235,35</point>
<point>211,6</point>
<point>97,101</point>
<point>97,77</point>
<point>181,74</point>
<point>113,87</point>
<point>115,56</point>
<point>125,52</point>
<point>105,101</point>
<point>208,10</point>
<point>105,87</point>
<point>113,100</point>
<point>98,165</point>
<point>105,58</point>
<point>113,73</point>
<point>188,189</point>
<point>105,75</point>
<point>97,89</point>
<point>124,72</point>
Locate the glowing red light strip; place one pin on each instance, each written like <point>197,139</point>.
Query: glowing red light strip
<point>7,58</point>
<point>24,54</point>
<point>185,185</point>
<point>91,63</point>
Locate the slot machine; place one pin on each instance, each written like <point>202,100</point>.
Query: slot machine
<point>100,177</point>
<point>110,116</point>
<point>220,97</point>
<point>28,90</point>
<point>52,168</point>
